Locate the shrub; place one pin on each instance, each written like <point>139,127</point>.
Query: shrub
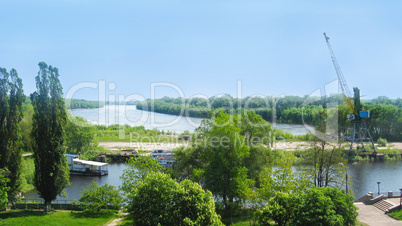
<point>96,198</point>
<point>160,200</point>
<point>316,206</point>
<point>382,142</point>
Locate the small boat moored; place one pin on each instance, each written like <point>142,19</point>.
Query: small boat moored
<point>164,157</point>
<point>83,167</point>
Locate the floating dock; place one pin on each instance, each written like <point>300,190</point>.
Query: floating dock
<point>87,168</point>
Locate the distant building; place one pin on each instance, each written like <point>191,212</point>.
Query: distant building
<point>186,137</point>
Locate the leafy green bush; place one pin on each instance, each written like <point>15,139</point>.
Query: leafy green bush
<point>316,206</point>
<point>382,142</point>
<point>96,198</point>
<point>160,200</point>
<point>27,174</point>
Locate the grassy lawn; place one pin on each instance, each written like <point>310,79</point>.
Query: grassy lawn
<point>396,214</point>
<point>27,217</point>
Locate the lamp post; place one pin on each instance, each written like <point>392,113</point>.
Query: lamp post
<point>378,187</point>
<point>346,176</point>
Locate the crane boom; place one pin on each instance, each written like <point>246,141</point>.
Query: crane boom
<point>357,133</point>
<point>342,81</point>
<point>347,97</point>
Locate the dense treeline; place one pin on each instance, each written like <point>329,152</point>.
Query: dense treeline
<point>233,160</point>
<point>115,129</point>
<point>264,106</point>
<point>79,103</point>
<point>87,104</point>
<point>385,114</point>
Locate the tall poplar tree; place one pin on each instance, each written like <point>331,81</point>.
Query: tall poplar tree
<point>49,120</point>
<point>11,100</point>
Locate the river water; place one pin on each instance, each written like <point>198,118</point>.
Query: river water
<point>130,115</point>
<point>363,176</point>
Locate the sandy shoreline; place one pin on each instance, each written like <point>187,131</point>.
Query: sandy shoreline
<point>291,146</point>
<point>143,146</point>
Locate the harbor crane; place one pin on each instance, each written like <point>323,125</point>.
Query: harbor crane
<point>357,133</point>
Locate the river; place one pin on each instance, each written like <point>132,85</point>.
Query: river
<point>130,115</point>
<point>363,176</point>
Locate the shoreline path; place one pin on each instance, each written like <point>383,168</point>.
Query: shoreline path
<point>291,146</point>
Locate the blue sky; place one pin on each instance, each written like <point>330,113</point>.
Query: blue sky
<point>205,47</point>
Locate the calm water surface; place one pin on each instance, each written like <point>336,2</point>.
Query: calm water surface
<point>364,177</point>
<point>130,115</point>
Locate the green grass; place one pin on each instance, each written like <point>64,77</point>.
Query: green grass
<point>27,217</point>
<point>127,220</point>
<point>396,214</point>
<point>27,173</point>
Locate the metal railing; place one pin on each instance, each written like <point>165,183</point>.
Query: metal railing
<point>40,204</point>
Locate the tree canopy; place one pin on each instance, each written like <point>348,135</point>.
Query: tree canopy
<point>11,112</point>
<point>160,200</point>
<point>316,206</point>
<point>96,198</point>
<point>49,120</point>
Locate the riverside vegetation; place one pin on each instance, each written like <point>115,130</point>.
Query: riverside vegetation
<point>385,114</point>
<point>229,166</point>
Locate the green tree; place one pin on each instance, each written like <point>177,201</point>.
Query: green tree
<point>279,209</point>
<point>324,157</point>
<point>315,206</point>
<point>187,160</point>
<point>282,179</point>
<point>343,204</point>
<point>11,100</point>
<point>49,120</point>
<point>224,172</point>
<point>137,169</point>
<point>325,206</point>
<point>96,198</point>
<point>160,200</point>
<point>26,127</point>
<point>326,169</point>
<point>228,157</point>
<point>316,209</point>
<point>258,135</point>
<point>382,142</point>
<point>3,189</point>
<point>80,135</point>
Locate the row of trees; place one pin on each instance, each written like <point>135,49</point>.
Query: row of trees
<point>46,136</point>
<point>80,103</point>
<point>316,206</point>
<point>200,107</point>
<point>385,120</point>
<point>385,114</point>
<point>155,198</point>
<point>233,163</point>
<point>86,104</point>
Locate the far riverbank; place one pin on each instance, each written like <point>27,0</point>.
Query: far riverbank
<point>290,146</point>
<point>130,115</point>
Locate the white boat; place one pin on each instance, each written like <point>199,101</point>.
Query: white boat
<point>165,158</point>
<point>83,167</point>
